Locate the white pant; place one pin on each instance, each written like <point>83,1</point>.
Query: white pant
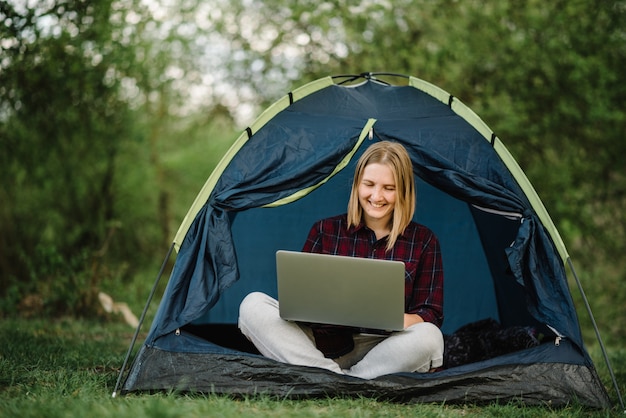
<point>416,349</point>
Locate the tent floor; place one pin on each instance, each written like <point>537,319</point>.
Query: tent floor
<point>224,335</point>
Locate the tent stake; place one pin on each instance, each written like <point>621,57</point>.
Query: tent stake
<point>597,331</point>
<point>141,319</point>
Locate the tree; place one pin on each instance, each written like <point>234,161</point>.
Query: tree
<point>61,120</point>
<point>85,88</point>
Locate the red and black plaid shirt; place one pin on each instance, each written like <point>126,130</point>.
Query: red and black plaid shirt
<point>417,247</point>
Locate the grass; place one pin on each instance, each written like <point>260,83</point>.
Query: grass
<point>68,368</point>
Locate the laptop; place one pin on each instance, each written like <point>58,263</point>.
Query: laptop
<point>329,289</point>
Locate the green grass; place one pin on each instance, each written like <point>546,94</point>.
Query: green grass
<point>68,368</point>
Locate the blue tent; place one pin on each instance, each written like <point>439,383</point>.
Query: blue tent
<point>503,257</point>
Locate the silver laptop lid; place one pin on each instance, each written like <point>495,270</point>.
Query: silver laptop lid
<point>339,290</point>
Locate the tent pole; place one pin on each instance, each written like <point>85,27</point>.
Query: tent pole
<point>141,319</point>
<point>597,331</point>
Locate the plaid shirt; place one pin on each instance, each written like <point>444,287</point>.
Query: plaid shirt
<point>417,247</point>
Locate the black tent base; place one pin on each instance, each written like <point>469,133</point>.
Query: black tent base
<point>233,373</point>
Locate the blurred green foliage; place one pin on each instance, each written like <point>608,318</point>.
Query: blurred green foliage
<point>113,115</point>
<point>89,133</point>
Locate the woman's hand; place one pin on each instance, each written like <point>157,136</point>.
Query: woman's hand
<point>411,319</point>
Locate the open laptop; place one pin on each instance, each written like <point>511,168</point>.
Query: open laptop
<point>328,289</point>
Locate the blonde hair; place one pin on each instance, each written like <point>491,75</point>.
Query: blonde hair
<point>394,156</point>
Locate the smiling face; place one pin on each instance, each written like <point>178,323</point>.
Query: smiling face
<point>377,196</point>
<point>383,191</point>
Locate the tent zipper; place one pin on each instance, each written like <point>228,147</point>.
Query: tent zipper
<point>559,336</point>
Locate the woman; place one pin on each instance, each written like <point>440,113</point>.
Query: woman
<point>378,224</point>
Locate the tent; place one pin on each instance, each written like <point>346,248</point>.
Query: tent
<point>503,257</point>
